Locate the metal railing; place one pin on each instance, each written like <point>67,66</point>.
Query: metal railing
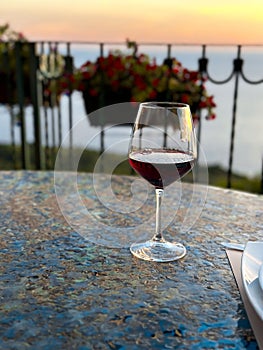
<point>29,82</point>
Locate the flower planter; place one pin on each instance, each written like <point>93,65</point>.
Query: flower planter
<point>109,117</point>
<point>9,91</point>
<point>95,103</point>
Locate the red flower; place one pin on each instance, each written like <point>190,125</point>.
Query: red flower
<point>210,101</point>
<point>210,117</point>
<point>140,84</point>
<point>86,75</point>
<point>81,87</point>
<point>185,98</point>
<point>110,73</point>
<point>176,70</point>
<point>202,104</point>
<point>93,92</point>
<point>153,94</point>
<point>115,84</point>
<point>155,82</point>
<point>193,75</point>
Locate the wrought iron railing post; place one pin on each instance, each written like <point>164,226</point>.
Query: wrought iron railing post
<point>6,67</point>
<point>237,69</point>
<point>33,60</point>
<point>46,123</point>
<point>52,103</point>
<point>169,50</point>
<point>69,70</point>
<point>21,102</point>
<point>102,98</point>
<point>202,68</point>
<point>54,95</point>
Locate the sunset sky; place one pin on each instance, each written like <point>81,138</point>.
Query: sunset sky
<point>173,21</point>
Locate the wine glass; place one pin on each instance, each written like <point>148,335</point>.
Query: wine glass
<point>162,150</point>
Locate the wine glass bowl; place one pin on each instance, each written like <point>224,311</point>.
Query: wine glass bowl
<point>162,150</point>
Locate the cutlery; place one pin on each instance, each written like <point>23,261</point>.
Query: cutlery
<point>234,246</point>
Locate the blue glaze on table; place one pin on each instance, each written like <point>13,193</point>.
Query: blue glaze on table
<point>59,291</point>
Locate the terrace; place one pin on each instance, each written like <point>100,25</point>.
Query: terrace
<point>68,279</point>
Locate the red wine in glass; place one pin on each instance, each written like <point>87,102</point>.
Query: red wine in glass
<point>161,167</point>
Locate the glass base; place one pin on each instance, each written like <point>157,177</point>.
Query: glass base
<point>158,251</point>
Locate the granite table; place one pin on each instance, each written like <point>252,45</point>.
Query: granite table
<point>61,290</point>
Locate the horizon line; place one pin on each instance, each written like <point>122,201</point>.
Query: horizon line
<point>147,43</point>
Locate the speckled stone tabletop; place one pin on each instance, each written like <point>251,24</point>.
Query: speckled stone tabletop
<point>61,291</point>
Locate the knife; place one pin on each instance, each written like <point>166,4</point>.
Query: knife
<point>234,246</point>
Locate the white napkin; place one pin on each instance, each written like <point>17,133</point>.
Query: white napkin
<point>256,323</point>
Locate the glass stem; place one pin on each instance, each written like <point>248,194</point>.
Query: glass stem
<point>158,228</point>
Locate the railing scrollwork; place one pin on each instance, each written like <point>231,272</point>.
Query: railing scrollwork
<point>237,72</point>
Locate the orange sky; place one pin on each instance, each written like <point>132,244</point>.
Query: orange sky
<point>173,21</point>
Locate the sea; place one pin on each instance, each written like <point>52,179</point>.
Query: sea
<point>215,134</point>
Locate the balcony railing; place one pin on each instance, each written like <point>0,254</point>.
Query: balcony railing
<point>25,106</point>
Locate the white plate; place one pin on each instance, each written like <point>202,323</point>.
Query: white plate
<point>252,260</point>
<point>260,276</point>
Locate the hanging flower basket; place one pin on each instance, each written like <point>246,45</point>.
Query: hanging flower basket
<point>110,116</point>
<point>109,97</point>
<point>120,77</point>
<point>14,54</point>
<point>8,66</point>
